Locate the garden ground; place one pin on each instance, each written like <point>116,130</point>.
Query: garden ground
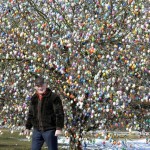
<point>14,141</point>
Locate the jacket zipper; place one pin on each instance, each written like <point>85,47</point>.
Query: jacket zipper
<point>39,115</point>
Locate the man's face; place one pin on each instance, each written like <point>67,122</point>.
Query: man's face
<point>41,89</point>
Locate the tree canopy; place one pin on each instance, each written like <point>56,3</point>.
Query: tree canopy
<point>94,53</point>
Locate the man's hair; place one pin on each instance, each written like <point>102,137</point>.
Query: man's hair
<point>39,81</point>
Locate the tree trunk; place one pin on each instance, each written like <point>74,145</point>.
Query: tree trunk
<point>75,144</point>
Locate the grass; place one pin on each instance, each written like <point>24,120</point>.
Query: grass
<point>15,141</point>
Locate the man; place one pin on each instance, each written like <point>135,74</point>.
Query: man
<point>46,116</point>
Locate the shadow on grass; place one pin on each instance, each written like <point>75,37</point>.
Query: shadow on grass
<point>12,147</point>
<point>5,145</point>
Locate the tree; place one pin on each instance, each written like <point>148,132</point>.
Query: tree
<point>96,51</point>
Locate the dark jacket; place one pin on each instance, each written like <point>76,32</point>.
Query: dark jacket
<point>46,114</point>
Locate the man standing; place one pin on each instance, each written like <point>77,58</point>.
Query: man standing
<point>46,116</point>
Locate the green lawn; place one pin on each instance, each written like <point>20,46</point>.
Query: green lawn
<point>15,141</point>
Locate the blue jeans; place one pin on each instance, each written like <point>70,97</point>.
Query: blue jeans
<point>39,137</point>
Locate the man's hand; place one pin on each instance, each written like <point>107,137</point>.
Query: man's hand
<point>58,132</point>
<point>27,132</point>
